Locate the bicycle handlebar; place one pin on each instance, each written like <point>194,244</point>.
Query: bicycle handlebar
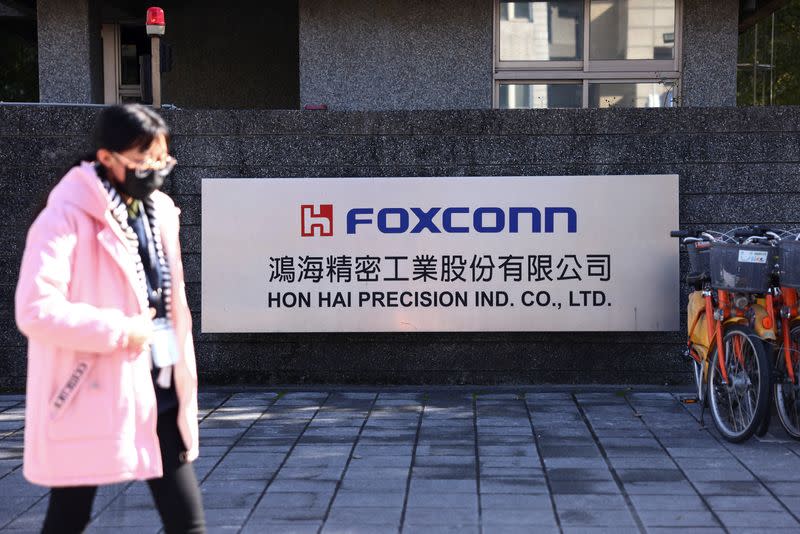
<point>755,230</point>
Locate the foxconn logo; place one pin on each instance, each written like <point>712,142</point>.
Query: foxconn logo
<point>316,220</point>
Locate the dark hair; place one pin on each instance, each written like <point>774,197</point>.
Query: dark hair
<point>120,128</point>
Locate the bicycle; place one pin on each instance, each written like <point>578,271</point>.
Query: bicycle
<point>786,383</point>
<point>730,363</point>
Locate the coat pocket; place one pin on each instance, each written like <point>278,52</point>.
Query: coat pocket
<point>82,406</point>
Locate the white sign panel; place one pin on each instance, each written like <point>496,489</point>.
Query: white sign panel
<point>555,253</point>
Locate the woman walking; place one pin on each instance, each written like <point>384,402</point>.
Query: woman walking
<point>112,384</point>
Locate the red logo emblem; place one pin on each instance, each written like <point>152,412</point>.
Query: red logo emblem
<point>316,222</point>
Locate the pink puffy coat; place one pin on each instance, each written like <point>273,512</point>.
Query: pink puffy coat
<point>90,416</point>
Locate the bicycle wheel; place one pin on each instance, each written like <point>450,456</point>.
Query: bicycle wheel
<point>787,394</point>
<point>740,405</point>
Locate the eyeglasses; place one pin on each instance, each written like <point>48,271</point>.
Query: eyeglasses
<point>142,170</point>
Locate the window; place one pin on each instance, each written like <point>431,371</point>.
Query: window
<point>769,59</point>
<point>586,53</point>
<point>540,95</point>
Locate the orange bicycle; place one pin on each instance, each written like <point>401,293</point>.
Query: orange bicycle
<point>786,380</point>
<point>727,324</point>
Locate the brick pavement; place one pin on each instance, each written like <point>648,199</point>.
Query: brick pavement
<point>460,460</point>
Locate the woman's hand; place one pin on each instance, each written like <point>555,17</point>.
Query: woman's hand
<point>140,330</point>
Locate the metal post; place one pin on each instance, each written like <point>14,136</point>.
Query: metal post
<point>155,62</point>
<point>156,25</point>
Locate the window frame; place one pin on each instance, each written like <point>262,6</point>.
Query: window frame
<point>587,70</point>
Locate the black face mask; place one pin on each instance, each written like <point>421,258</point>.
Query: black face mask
<point>141,188</point>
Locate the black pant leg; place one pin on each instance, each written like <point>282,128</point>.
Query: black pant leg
<point>176,494</point>
<point>69,509</point>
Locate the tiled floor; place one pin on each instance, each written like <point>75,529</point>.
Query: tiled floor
<point>452,460</point>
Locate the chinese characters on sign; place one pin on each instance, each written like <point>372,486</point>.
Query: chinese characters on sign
<point>342,269</point>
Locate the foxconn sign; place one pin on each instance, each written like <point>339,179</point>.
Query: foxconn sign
<point>556,253</point>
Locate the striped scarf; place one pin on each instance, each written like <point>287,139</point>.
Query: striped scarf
<point>119,211</point>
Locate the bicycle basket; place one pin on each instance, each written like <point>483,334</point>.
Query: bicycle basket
<point>699,259</point>
<point>789,262</point>
<point>743,268</point>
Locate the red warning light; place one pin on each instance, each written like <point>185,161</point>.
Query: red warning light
<point>155,21</point>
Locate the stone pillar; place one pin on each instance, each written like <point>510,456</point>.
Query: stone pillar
<point>70,62</point>
<point>710,50</point>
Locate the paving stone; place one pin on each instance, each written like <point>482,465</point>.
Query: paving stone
<point>450,516</point>
<point>309,473</point>
<point>381,461</point>
<point>617,529</point>
<point>92,529</point>
<point>352,499</point>
<point>576,463</point>
<point>442,529</point>
<point>229,486</point>
<point>737,488</point>
<point>760,530</point>
<point>444,472</point>
<point>360,515</point>
<point>510,461</point>
<point>356,472</point>
<point>378,485</point>
<point>511,501</point>
<point>738,503</point>
<point>566,473</point>
<point>531,518</point>
<point>221,517</point>
<point>120,517</point>
<point>303,486</point>
<point>332,527</point>
<point>288,514</point>
<point>695,529</point>
<point>286,527</point>
<point>429,485</point>
<point>584,486</point>
<point>650,475</point>
<point>580,451</point>
<point>514,486</point>
<point>238,473</point>
<point>785,488</point>
<point>672,502</point>
<point>311,501</point>
<point>677,518</point>
<point>660,488</point>
<point>436,461</point>
<point>719,475</point>
<point>226,500</point>
<point>597,518</point>
<point>588,502</point>
<point>755,518</point>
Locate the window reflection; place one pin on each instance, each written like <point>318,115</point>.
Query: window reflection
<point>630,95</point>
<point>540,96</point>
<point>541,31</point>
<point>632,29</point>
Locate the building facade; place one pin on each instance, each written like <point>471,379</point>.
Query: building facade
<point>395,54</point>
<point>413,88</point>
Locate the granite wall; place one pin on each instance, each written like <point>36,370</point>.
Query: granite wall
<point>736,166</point>
<point>396,54</point>
<point>710,51</point>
